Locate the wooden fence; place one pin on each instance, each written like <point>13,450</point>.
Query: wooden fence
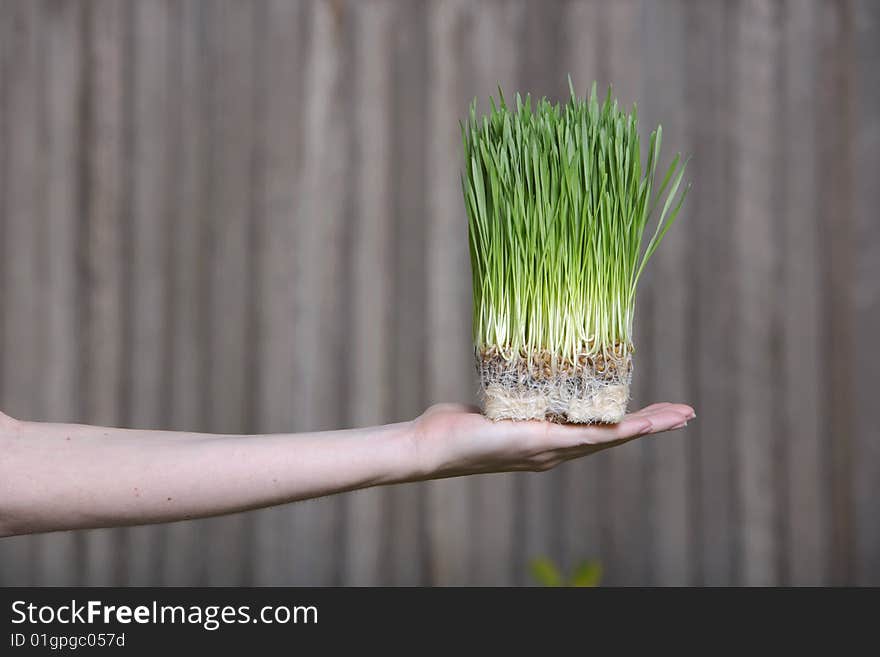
<point>246,216</point>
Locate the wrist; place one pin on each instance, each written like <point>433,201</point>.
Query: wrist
<point>382,455</point>
<point>407,456</point>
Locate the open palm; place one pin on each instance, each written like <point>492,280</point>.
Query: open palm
<point>455,439</point>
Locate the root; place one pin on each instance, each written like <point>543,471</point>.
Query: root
<point>592,389</point>
<point>499,404</point>
<point>608,404</point>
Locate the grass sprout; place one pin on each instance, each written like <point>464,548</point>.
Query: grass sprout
<point>559,201</point>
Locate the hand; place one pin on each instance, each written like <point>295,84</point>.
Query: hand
<point>455,439</point>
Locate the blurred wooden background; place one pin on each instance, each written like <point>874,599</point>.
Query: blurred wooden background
<point>246,216</point>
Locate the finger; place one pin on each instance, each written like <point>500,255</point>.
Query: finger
<point>655,418</point>
<point>663,418</point>
<point>598,434</point>
<point>629,427</point>
<point>682,409</point>
<point>674,417</point>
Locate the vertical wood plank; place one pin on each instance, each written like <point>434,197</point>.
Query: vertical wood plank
<point>230,126</point>
<point>23,208</point>
<point>371,233</point>
<point>803,342</point>
<point>280,141</point>
<point>407,548</point>
<point>101,239</point>
<point>497,27</point>
<point>582,504</point>
<point>188,324</point>
<point>149,164</point>
<point>61,119</point>
<point>836,138</point>
<point>147,252</point>
<point>450,350</point>
<point>667,494</point>
<point>866,447</point>
<point>713,312</point>
<point>319,223</point>
<point>754,208</point>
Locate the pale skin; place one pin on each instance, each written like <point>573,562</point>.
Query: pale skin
<point>70,476</point>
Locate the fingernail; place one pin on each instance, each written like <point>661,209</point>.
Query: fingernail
<point>680,425</point>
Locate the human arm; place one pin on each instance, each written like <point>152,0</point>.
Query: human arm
<point>67,476</point>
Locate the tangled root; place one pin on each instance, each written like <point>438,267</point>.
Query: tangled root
<point>595,388</point>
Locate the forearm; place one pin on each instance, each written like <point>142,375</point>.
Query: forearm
<point>63,476</point>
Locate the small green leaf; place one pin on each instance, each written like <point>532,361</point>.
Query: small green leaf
<point>545,572</point>
<point>588,574</point>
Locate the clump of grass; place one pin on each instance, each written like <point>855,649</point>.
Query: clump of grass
<point>558,203</point>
